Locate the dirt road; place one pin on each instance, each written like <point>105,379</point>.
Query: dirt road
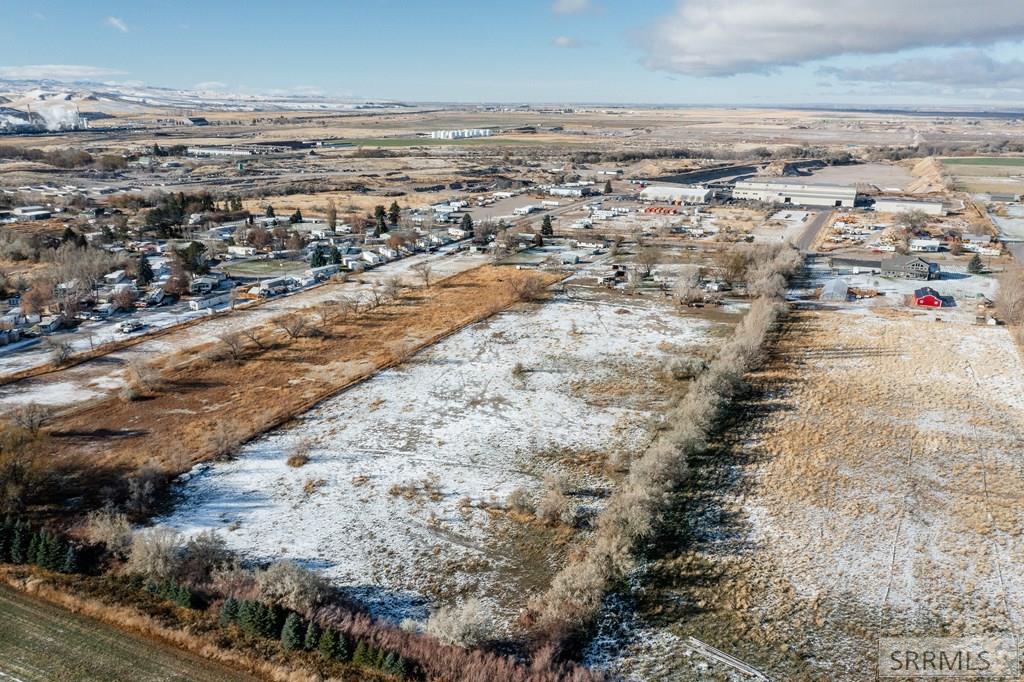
<point>814,227</point>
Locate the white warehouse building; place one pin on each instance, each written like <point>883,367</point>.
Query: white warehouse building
<point>676,195</point>
<point>908,205</point>
<point>832,196</point>
<point>460,134</point>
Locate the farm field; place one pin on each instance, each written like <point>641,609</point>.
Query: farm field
<point>871,488</point>
<point>44,643</point>
<point>402,499</point>
<point>987,175</point>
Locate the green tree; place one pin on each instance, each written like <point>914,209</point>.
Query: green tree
<point>394,213</point>
<point>54,553</point>
<point>467,223</point>
<point>331,645</point>
<point>394,665</point>
<point>334,256</point>
<point>20,538</point>
<point>33,548</point>
<point>144,275</point>
<point>229,611</point>
<point>974,266</point>
<point>296,217</point>
<point>312,640</point>
<point>70,563</point>
<point>270,211</point>
<point>608,187</point>
<point>546,228</point>
<point>293,634</point>
<point>362,655</point>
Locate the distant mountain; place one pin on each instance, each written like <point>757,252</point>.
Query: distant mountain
<point>127,98</point>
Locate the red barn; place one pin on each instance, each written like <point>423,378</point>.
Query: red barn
<point>927,297</point>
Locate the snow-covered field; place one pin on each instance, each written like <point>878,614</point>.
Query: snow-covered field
<point>468,421</point>
<point>881,497</point>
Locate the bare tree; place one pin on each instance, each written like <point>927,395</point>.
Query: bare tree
<point>292,324</point>
<point>348,306</point>
<point>392,287</point>
<point>253,334</point>
<point>423,270</point>
<point>31,417</point>
<point>327,312</point>
<point>645,259</point>
<point>528,288</point>
<point>466,624</point>
<point>60,350</point>
<point>234,343</point>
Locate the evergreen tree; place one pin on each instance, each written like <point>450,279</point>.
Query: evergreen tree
<point>70,563</point>
<point>343,648</point>
<point>270,211</point>
<point>608,187</point>
<point>379,657</point>
<point>293,634</point>
<point>247,615</point>
<point>32,552</point>
<point>312,640</point>
<point>394,665</point>
<point>55,553</point>
<point>145,271</point>
<point>394,213</point>
<point>467,223</point>
<point>379,214</point>
<point>974,266</point>
<point>6,533</point>
<point>362,655</point>
<point>328,645</point>
<point>229,611</point>
<point>296,217</point>
<point>334,256</point>
<point>546,228</point>
<point>316,259</point>
<point>19,544</point>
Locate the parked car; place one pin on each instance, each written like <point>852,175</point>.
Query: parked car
<point>129,326</point>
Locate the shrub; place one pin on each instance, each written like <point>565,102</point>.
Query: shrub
<point>292,586</point>
<point>519,501</point>
<point>155,553</point>
<point>464,625</point>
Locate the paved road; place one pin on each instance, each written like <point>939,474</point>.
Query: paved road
<point>813,229</point>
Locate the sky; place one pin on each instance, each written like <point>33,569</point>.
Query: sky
<point>687,52</point>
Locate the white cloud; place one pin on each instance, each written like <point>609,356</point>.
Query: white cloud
<point>567,42</point>
<point>60,72</point>
<point>571,6</point>
<point>964,68</point>
<point>119,24</point>
<point>726,37</point>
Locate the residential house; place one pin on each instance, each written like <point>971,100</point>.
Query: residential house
<point>910,267</point>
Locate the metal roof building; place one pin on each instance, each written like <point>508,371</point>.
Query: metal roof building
<point>676,195</point>
<point>895,205</point>
<point>833,196</point>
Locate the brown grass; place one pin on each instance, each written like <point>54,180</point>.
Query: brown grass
<point>200,395</point>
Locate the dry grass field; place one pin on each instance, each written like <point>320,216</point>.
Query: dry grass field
<point>871,488</point>
<point>201,403</point>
